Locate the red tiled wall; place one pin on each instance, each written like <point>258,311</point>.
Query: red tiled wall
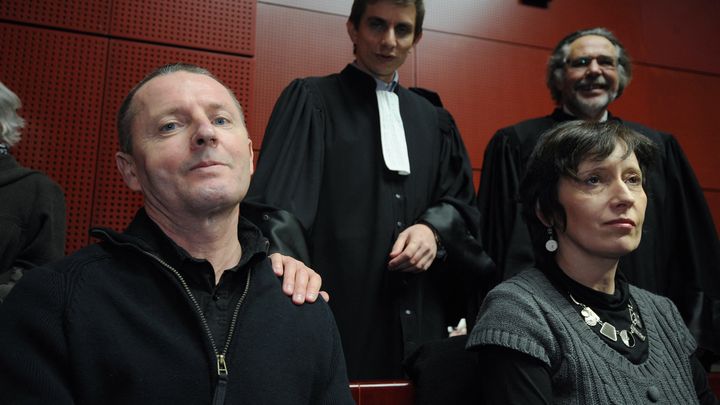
<point>485,57</point>
<point>72,61</point>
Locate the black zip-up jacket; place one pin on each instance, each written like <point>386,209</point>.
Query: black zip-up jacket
<point>116,323</point>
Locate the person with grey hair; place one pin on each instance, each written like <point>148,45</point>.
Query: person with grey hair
<point>182,307</point>
<point>679,256</point>
<point>572,329</point>
<point>32,212</point>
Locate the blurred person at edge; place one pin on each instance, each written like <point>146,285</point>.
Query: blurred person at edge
<point>32,211</point>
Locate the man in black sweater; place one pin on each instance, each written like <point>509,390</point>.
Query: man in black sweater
<point>182,307</point>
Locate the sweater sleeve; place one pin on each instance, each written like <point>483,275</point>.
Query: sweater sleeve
<point>337,388</point>
<point>33,346</point>
<point>511,318</point>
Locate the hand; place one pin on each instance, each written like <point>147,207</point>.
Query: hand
<point>459,330</point>
<point>299,281</point>
<point>414,250</point>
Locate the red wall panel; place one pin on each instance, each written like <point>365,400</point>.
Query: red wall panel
<point>128,63</point>
<point>680,34</point>
<point>680,103</point>
<point>486,85</point>
<point>340,7</point>
<point>656,32</point>
<point>219,25</point>
<point>81,15</point>
<point>59,78</point>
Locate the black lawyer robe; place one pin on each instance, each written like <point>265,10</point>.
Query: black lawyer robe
<point>341,210</point>
<point>679,254</point>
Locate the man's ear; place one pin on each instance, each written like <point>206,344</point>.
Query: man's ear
<point>126,167</point>
<point>352,31</point>
<point>252,157</point>
<point>417,38</point>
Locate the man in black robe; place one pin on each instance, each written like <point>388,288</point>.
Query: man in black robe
<point>679,255</point>
<point>374,189</point>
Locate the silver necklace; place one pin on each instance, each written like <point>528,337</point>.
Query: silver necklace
<point>609,330</point>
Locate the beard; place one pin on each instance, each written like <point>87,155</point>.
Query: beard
<point>590,108</point>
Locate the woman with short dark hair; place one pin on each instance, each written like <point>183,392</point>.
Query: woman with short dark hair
<point>573,330</point>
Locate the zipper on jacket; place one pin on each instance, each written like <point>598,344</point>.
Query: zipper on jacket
<point>222,370</point>
<point>221,388</point>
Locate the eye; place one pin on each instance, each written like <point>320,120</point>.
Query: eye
<point>606,61</point>
<point>634,179</point>
<point>376,25</point>
<point>170,126</point>
<point>582,61</point>
<point>402,30</point>
<point>220,121</point>
<point>592,180</point>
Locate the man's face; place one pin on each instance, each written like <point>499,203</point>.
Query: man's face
<point>591,77</point>
<point>384,37</point>
<point>191,151</point>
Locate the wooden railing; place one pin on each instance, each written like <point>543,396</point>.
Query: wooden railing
<point>383,392</point>
<point>401,392</point>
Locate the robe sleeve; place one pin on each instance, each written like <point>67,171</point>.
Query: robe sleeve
<point>455,219</point>
<point>692,240</point>
<point>502,225</point>
<point>290,170</point>
<point>695,235</point>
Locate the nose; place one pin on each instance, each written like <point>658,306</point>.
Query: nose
<point>622,196</point>
<point>204,135</point>
<point>389,40</point>
<point>594,67</point>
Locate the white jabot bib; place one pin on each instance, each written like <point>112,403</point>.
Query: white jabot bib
<point>392,133</point>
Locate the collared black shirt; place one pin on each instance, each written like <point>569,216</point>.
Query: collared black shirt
<point>217,301</point>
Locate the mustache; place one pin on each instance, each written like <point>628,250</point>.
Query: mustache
<point>588,82</point>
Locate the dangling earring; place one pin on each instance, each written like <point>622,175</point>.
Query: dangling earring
<point>551,244</point>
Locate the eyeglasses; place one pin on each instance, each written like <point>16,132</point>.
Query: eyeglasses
<point>605,62</point>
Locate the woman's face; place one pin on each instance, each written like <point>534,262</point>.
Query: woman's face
<point>605,207</point>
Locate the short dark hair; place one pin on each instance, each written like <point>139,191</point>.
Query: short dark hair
<point>359,7</point>
<point>556,64</point>
<point>558,154</point>
<point>127,113</point>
